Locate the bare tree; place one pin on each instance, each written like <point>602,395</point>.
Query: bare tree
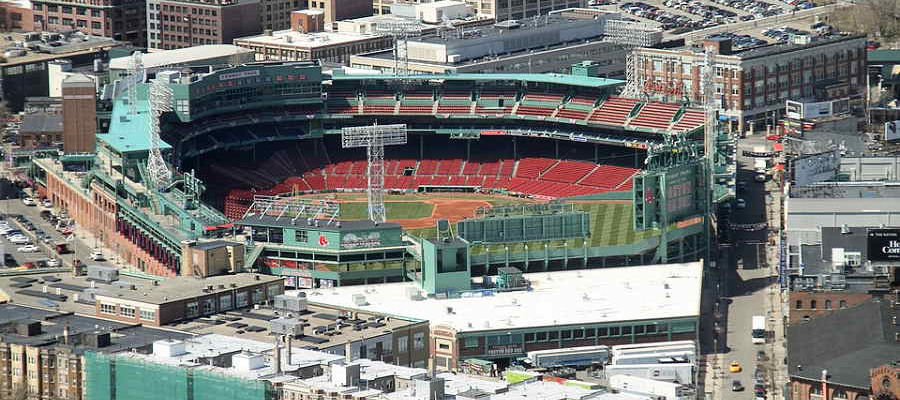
<point>879,18</point>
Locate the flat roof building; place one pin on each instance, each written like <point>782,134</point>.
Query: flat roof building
<point>24,71</point>
<point>175,24</point>
<point>602,306</point>
<point>158,303</point>
<point>540,44</point>
<point>327,46</point>
<point>207,54</point>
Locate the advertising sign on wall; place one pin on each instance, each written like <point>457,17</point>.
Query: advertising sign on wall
<point>361,240</point>
<point>883,244</point>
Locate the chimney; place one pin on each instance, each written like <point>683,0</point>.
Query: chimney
<point>825,383</point>
<point>66,334</point>
<point>719,45</point>
<point>289,347</point>
<point>278,355</point>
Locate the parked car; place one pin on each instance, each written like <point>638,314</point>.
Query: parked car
<point>28,201</point>
<point>47,203</point>
<point>97,255</point>
<point>19,240</point>
<point>29,248</point>
<point>736,386</point>
<point>53,263</point>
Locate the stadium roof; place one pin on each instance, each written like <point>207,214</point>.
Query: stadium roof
<point>560,79</point>
<point>130,133</point>
<point>180,56</point>
<point>590,296</point>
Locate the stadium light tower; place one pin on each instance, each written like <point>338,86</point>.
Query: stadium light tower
<point>160,102</point>
<point>709,140</point>
<point>135,76</point>
<point>374,138</point>
<point>400,31</point>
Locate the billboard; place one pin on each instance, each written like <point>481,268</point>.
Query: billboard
<point>892,130</point>
<point>798,110</point>
<point>673,192</point>
<point>816,168</point>
<point>883,244</point>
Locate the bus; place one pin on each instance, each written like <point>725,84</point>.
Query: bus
<point>759,329</point>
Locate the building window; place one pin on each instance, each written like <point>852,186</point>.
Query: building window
<point>402,343</point>
<point>148,315</point>
<point>799,304</point>
<point>301,236</point>
<point>209,306</point>
<point>626,330</point>
<point>95,25</point>
<point>240,299</point>
<point>193,309</point>
<point>273,290</point>
<point>126,311</point>
<point>108,309</point>
<point>812,304</point>
<point>419,341</point>
<point>827,304</point>
<point>842,304</point>
<point>225,302</point>
<point>257,296</point>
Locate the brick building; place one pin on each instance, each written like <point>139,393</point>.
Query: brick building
<point>753,84</point>
<point>838,356</point>
<point>16,15</point>
<point>808,305</point>
<point>180,24</point>
<point>886,381</point>
<point>184,298</point>
<point>336,10</point>
<point>121,20</point>
<point>41,351</point>
<point>79,114</point>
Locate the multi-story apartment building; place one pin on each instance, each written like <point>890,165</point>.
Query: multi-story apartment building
<point>275,15</point>
<point>753,84</point>
<point>41,351</point>
<point>503,10</point>
<point>122,20</point>
<point>173,24</point>
<point>16,15</point>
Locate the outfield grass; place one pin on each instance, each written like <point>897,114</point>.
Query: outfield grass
<point>612,224</point>
<point>395,210</point>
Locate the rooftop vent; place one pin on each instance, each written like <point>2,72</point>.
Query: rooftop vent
<point>508,24</point>
<point>246,361</point>
<point>168,348</point>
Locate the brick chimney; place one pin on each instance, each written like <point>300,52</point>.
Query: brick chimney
<point>307,21</point>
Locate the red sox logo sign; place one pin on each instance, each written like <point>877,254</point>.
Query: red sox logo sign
<point>648,196</point>
<point>323,241</point>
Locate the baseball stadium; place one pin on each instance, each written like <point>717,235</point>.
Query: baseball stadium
<point>482,172</point>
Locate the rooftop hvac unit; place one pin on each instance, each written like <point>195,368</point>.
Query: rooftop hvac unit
<point>359,300</point>
<point>286,326</point>
<point>168,348</point>
<point>286,302</point>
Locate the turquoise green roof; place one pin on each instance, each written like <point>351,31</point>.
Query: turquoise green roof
<point>884,56</point>
<point>131,133</point>
<point>560,79</point>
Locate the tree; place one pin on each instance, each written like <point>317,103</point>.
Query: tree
<point>879,18</point>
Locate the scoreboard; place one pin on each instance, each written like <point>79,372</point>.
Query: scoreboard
<point>667,195</point>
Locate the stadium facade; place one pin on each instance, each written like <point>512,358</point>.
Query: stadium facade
<point>274,129</point>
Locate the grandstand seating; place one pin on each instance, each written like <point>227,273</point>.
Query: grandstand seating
<point>568,171</point>
<point>655,115</point>
<point>691,119</point>
<point>607,177</point>
<point>533,167</point>
<point>614,110</point>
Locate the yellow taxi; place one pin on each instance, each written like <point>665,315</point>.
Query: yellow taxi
<point>735,367</point>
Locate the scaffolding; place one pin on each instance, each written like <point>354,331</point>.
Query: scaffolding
<point>130,377</point>
<point>553,207</point>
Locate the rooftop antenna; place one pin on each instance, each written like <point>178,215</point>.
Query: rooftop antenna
<point>374,138</point>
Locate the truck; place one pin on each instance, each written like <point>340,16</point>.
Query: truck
<point>569,357</point>
<point>758,332</point>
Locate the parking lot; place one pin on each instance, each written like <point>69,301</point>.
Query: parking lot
<point>39,230</point>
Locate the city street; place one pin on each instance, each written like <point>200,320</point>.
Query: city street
<point>749,287</point>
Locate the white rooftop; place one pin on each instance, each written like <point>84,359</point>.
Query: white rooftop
<point>292,38</point>
<point>214,345</point>
<point>457,383</point>
<point>371,369</point>
<point>557,298</point>
<point>180,56</point>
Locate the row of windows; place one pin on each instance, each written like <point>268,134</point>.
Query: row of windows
<point>127,311</point>
<point>184,9</point>
<point>66,9</point>
<point>418,342</point>
<point>813,304</point>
